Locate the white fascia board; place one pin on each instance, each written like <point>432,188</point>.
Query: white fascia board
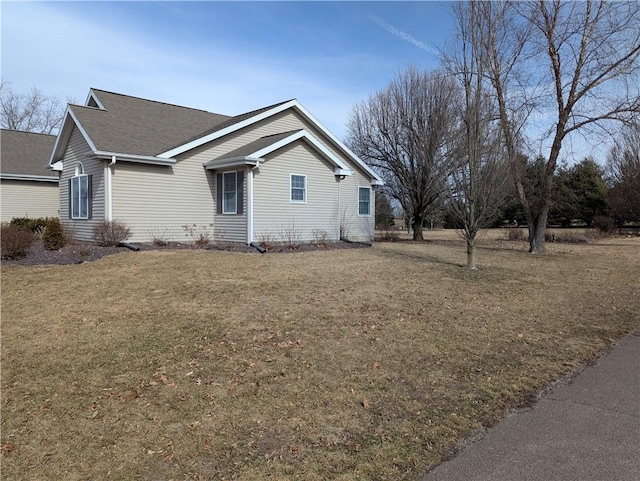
<point>337,141</point>
<point>36,178</point>
<point>340,171</point>
<point>302,134</point>
<point>232,162</point>
<point>65,134</point>
<point>58,166</point>
<point>140,159</point>
<point>232,128</point>
<point>92,95</point>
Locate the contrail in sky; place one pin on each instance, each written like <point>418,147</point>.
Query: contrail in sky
<point>404,35</point>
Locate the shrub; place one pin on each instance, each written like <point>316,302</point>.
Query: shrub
<point>15,242</point>
<point>291,235</point>
<point>604,224</point>
<point>53,237</point>
<point>515,234</point>
<point>321,238</point>
<point>28,224</point>
<point>566,237</point>
<point>200,235</point>
<point>268,242</point>
<point>111,233</point>
<point>159,235</point>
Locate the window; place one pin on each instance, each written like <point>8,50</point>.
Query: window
<point>298,188</point>
<point>229,193</point>
<point>364,201</point>
<point>79,194</point>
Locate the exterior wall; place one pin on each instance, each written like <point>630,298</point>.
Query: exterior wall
<point>231,227</point>
<point>159,201</point>
<point>276,218</point>
<point>355,227</point>
<point>26,198</point>
<point>78,151</point>
<point>359,228</point>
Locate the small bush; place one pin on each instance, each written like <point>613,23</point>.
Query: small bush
<point>268,242</point>
<point>291,235</point>
<point>200,235</point>
<point>387,235</point>
<point>159,235</point>
<point>28,224</point>
<point>604,224</point>
<point>566,237</point>
<point>14,241</point>
<point>53,237</point>
<point>321,238</point>
<point>515,234</point>
<point>111,233</point>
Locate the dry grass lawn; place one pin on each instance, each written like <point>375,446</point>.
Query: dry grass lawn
<point>364,364</point>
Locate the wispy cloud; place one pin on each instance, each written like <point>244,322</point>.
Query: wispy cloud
<point>404,35</point>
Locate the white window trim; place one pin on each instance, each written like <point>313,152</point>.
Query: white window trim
<point>235,184</point>
<point>71,190</point>
<point>369,214</point>
<point>306,187</point>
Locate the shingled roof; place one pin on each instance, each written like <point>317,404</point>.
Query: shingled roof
<point>26,153</point>
<point>139,126</point>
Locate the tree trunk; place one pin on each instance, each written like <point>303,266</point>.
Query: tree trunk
<point>417,228</point>
<point>471,254</point>
<point>537,232</point>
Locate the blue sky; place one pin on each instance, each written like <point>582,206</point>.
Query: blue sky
<point>225,57</point>
<point>228,57</point>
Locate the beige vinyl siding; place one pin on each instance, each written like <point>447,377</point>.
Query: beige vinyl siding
<point>275,216</point>
<point>78,151</point>
<point>232,227</point>
<point>354,226</point>
<point>26,198</point>
<point>159,201</point>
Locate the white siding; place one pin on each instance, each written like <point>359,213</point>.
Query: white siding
<point>77,151</point>
<point>25,198</point>
<point>275,216</point>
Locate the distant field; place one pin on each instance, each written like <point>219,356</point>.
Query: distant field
<point>360,364</point>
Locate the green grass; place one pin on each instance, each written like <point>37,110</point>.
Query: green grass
<point>365,364</point>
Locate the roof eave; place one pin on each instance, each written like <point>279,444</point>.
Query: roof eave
<point>36,178</point>
<point>216,164</point>
<point>140,159</point>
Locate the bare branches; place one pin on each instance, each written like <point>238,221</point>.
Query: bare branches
<point>31,112</point>
<point>401,132</point>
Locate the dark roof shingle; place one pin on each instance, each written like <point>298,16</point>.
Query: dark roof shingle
<point>139,126</point>
<point>25,153</point>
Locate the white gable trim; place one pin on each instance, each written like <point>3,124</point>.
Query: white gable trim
<point>65,135</point>
<point>92,95</point>
<point>376,179</point>
<point>232,128</point>
<point>302,134</point>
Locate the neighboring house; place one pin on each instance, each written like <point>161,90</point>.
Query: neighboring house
<point>272,173</point>
<point>28,187</point>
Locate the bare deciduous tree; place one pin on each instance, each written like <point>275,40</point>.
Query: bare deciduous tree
<point>401,131</point>
<point>623,169</point>
<point>478,181</point>
<point>30,112</point>
<point>582,69</point>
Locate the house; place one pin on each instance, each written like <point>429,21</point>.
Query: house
<point>28,188</point>
<point>165,170</point>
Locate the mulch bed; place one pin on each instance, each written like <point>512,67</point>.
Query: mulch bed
<point>79,252</point>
